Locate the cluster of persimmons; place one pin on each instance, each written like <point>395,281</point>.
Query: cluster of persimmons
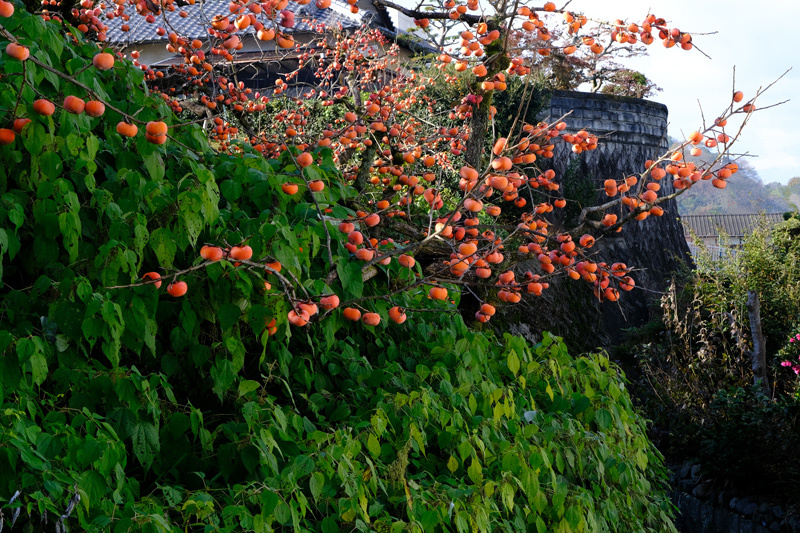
<point>396,139</point>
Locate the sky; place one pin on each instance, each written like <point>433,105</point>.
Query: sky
<point>758,42</point>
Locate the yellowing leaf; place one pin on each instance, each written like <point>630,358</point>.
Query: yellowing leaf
<point>452,464</point>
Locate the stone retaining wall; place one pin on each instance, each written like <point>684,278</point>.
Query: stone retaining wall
<point>631,131</point>
<point>706,510</point>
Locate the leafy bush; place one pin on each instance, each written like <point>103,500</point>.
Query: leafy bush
<point>139,411</point>
<point>697,372</point>
<point>752,441</point>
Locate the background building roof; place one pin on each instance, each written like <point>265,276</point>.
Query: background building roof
<point>195,24</point>
<point>731,225</point>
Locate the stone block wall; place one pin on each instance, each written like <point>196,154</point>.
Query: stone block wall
<point>631,131</point>
<point>704,509</point>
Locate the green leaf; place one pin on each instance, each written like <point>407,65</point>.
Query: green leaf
<point>452,464</point>
<point>231,190</point>
<point>316,483</point>
<point>475,472</point>
<point>228,315</point>
<point>373,445</point>
<point>603,418</point>
<point>34,27</point>
<point>237,350</point>
<point>38,367</point>
<point>146,443</point>
<point>162,242</point>
<point>34,136</point>
<point>513,362</point>
<point>92,486</point>
<point>70,225</point>
<point>155,166</point>
<point>50,165</point>
<point>248,386</point>
<point>350,276</point>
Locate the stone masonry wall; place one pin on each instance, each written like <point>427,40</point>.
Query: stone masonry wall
<point>703,509</point>
<point>631,131</point>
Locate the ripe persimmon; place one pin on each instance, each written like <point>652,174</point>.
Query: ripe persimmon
<point>6,9</point>
<point>365,254</point>
<point>103,61</point>
<point>156,128</point>
<point>94,108</point>
<point>290,188</point>
<point>44,107</point>
<point>371,319</point>
<point>17,51</point>
<point>488,309</point>
<point>627,283</point>
<point>74,105</point>
<point>153,276</point>
<point>7,136</point>
<point>467,248</point>
<point>397,315</point>
<point>309,307</point>
<point>178,288</point>
<point>355,238</point>
<point>241,253</point>
<point>127,130</point>
<point>438,293</point>
<point>305,159</point>
<point>406,261</point>
<point>20,123</point>
<point>329,302</point>
<point>316,185</point>
<point>155,139</point>
<point>351,313</point>
<point>298,319</point>
<point>212,253</point>
<point>372,220</point>
<point>480,317</point>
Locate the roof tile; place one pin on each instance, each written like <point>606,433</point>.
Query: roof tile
<point>195,24</point>
<point>732,225</point>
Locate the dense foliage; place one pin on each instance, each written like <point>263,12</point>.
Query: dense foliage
<point>698,371</point>
<point>125,408</point>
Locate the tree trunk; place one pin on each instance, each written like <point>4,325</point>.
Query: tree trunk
<point>479,127</point>
<point>758,355</point>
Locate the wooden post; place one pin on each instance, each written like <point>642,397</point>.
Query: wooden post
<point>759,353</point>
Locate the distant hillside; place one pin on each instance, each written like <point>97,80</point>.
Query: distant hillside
<point>745,193</point>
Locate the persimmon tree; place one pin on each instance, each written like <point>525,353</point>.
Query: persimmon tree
<point>231,329</point>
<point>401,163</point>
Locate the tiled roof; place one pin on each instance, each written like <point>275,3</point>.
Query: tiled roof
<point>731,225</point>
<point>194,26</point>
